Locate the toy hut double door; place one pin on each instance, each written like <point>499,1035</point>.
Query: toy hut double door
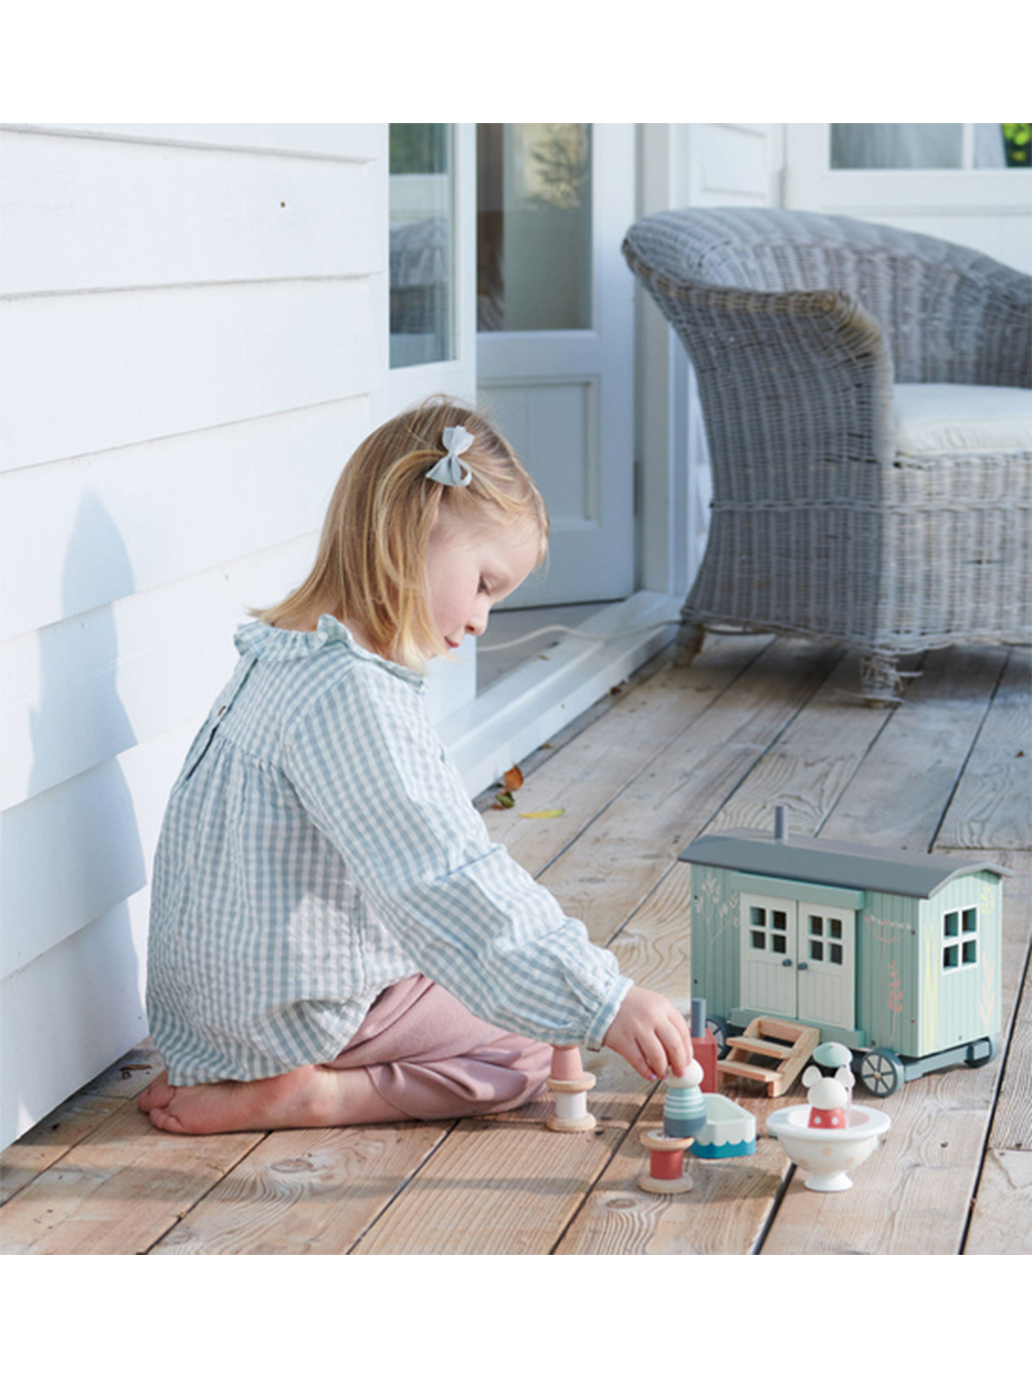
<point>798,959</point>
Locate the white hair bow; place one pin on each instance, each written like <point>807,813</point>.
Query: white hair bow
<point>450,469</point>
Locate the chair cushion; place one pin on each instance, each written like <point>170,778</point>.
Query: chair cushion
<point>961,419</point>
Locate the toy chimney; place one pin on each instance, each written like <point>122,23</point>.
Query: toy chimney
<point>780,823</point>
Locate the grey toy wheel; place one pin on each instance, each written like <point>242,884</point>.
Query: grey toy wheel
<point>881,1072</point>
<point>718,1028</point>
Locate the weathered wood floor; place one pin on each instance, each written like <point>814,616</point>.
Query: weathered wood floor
<point>751,723</point>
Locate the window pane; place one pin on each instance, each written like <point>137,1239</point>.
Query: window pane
<point>422,238</point>
<point>991,144</point>
<point>897,145</point>
<point>533,226</point>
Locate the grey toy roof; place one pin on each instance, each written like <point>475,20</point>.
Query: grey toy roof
<point>814,860</point>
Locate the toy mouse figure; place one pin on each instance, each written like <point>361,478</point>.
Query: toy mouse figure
<point>828,1098</point>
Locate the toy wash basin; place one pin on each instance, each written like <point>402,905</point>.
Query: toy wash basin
<point>730,1131</point>
<point>827,1155</point>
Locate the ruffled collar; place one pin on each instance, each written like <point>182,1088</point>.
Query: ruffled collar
<point>277,643</point>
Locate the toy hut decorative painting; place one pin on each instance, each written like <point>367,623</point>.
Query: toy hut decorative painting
<point>895,954</point>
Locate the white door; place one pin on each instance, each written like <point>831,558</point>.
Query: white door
<point>555,344</point>
<point>798,960</point>
<point>768,938</point>
<point>825,942</point>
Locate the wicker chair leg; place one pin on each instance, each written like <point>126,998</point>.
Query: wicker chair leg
<point>880,681</point>
<point>689,641</point>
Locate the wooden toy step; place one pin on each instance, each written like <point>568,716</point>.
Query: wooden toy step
<point>760,1046</point>
<point>777,1040</point>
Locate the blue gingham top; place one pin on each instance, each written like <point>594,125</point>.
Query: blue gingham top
<point>318,847</point>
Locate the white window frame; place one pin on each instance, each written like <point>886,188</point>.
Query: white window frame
<point>957,938</point>
<point>880,193</point>
<point>457,376</point>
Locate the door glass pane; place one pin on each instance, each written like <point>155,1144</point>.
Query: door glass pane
<point>422,236</point>
<point>533,226</point>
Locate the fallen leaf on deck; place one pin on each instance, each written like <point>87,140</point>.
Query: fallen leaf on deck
<point>513,778</point>
<point>544,813</point>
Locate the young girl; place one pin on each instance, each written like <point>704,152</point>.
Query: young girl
<point>334,939</point>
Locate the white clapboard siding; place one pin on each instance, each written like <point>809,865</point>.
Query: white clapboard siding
<point>74,698</point>
<point>69,1015</point>
<point>94,371</point>
<point>127,520</point>
<point>73,853</point>
<point>194,339</point>
<point>193,218</point>
<point>343,142</point>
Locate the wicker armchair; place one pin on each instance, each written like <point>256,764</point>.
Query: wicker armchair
<point>867,407</point>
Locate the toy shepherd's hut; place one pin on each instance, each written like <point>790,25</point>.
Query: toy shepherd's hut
<point>895,954</point>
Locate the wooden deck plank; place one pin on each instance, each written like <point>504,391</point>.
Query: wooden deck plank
<point>625,852</point>
<point>598,765</point>
<point>306,1191</point>
<point>1001,1221</point>
<point>75,1119</point>
<point>120,1189</point>
<point>904,784</point>
<point>508,1185</point>
<point>812,763</point>
<point>991,805</point>
<point>653,947</point>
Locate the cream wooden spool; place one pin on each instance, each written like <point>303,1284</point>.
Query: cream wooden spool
<point>571,1105</point>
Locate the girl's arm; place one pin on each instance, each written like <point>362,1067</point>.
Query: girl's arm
<point>372,775</point>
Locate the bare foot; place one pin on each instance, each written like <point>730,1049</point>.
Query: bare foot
<point>310,1097</point>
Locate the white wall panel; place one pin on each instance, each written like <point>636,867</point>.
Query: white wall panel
<point>85,689</point>
<point>342,142</point>
<point>89,214</point>
<point>194,339</point>
<point>101,370</point>
<point>124,521</point>
<point>74,853</point>
<point>70,1014</point>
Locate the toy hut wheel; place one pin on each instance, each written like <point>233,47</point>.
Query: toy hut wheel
<point>881,1072</point>
<point>980,1059</point>
<point>718,1028</point>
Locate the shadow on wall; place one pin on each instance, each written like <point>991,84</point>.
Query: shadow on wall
<point>71,854</point>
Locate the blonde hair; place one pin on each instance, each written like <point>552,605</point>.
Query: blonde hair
<point>370,567</point>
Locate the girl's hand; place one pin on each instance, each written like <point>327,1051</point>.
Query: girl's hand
<point>650,1034</point>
